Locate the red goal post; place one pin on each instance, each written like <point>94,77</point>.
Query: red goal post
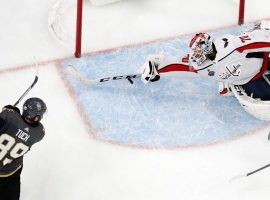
<point>241,12</point>
<point>78,39</point>
<point>79,22</point>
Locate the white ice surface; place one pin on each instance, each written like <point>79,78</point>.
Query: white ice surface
<point>68,164</point>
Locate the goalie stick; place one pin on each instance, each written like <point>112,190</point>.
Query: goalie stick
<point>249,173</point>
<point>25,93</point>
<point>174,67</point>
<point>73,72</point>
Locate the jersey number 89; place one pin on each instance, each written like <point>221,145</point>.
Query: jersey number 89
<point>7,145</point>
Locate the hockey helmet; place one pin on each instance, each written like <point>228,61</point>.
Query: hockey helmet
<point>202,48</point>
<point>202,42</point>
<point>34,109</point>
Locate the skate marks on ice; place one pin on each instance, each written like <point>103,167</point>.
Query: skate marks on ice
<point>171,113</point>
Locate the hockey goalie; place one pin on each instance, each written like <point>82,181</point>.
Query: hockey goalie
<point>239,64</point>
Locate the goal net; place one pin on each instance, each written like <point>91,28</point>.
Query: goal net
<point>79,24</point>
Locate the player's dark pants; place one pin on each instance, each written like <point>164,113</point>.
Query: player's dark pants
<point>259,88</point>
<point>10,186</point>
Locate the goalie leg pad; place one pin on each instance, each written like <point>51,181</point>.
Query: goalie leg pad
<point>256,107</point>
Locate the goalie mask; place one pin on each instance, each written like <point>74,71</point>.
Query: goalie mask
<point>34,109</point>
<point>201,45</point>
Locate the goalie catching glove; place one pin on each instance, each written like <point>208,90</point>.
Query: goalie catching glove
<point>149,70</point>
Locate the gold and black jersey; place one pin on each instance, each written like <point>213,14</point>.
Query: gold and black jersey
<point>16,139</point>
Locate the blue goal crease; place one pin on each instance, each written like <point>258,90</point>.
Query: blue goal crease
<point>173,112</point>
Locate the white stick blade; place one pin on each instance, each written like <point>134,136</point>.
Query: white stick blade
<point>71,71</point>
<point>237,177</point>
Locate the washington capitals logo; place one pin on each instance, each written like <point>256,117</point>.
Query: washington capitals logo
<point>234,70</point>
<point>231,71</point>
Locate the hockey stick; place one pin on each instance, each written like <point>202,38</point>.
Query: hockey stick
<point>25,93</point>
<point>249,173</point>
<point>73,72</point>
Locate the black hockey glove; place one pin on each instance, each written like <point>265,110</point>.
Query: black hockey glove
<point>11,107</point>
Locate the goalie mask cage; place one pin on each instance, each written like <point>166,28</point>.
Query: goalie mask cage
<point>78,39</point>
